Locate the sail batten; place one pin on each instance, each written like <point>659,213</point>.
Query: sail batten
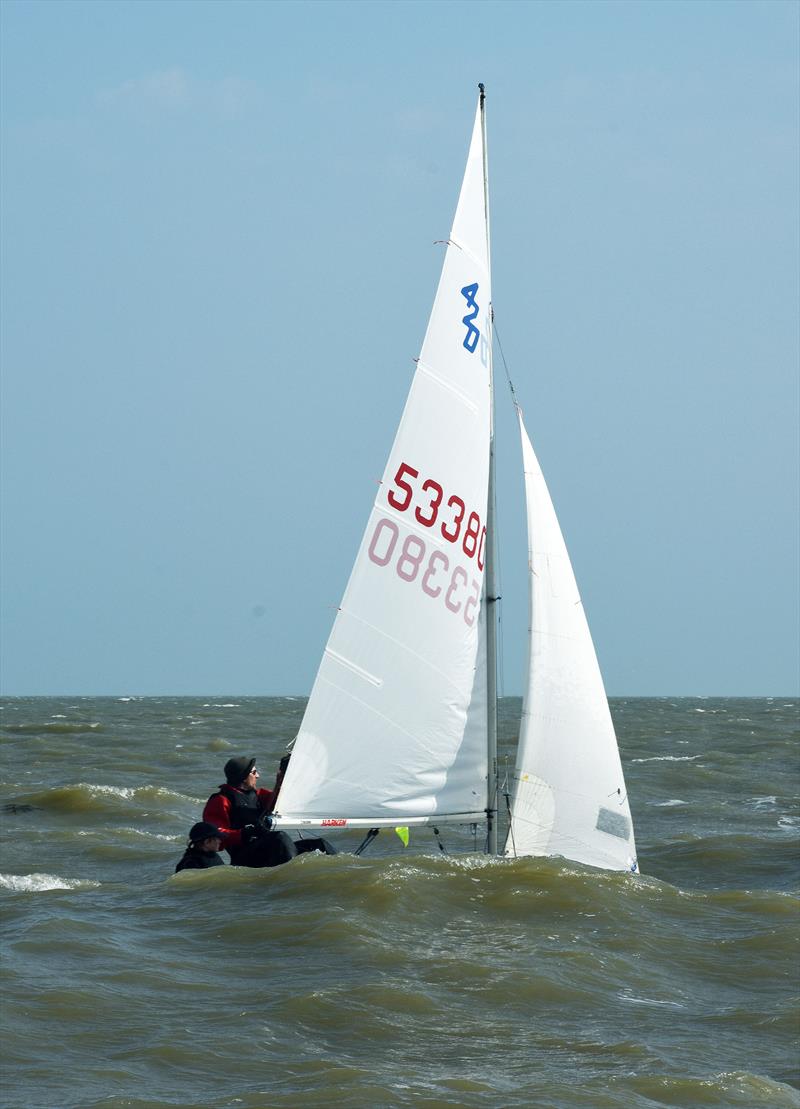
<point>431,374</point>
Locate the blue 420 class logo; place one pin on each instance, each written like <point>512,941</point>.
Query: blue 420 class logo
<point>472,336</point>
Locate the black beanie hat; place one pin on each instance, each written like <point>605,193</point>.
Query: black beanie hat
<point>202,831</point>
<point>236,770</point>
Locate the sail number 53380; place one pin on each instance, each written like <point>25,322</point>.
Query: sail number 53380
<point>428,503</point>
<point>412,562</point>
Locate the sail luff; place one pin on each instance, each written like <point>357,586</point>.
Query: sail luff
<point>490,586</point>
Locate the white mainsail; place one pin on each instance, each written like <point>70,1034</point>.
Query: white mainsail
<point>569,795</point>
<point>395,727</point>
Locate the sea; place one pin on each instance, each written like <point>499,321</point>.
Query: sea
<point>427,975</point>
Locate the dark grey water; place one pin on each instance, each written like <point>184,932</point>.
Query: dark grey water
<point>403,977</point>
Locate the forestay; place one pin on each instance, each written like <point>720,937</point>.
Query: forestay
<point>569,795</point>
<point>395,730</point>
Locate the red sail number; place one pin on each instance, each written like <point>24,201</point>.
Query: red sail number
<point>427,502</point>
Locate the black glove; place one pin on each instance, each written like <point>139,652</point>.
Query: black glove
<point>265,822</point>
<point>249,833</point>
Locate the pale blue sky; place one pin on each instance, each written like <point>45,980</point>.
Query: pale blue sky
<point>217,268</point>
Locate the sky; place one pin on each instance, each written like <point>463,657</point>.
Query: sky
<point>218,259</point>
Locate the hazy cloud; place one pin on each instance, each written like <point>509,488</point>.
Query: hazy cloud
<point>169,89</point>
<point>174,90</point>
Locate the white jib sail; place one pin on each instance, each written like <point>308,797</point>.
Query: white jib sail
<point>392,732</point>
<point>569,795</point>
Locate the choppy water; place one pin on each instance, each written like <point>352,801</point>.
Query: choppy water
<point>402,977</point>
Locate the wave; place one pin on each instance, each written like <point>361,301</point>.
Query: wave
<point>87,797</point>
<point>507,888</point>
<point>59,727</point>
<point>397,887</point>
<point>731,1088</point>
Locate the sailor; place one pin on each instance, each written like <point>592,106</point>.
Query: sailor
<point>242,812</point>
<point>205,841</point>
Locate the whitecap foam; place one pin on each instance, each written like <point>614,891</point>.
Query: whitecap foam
<point>74,726</point>
<point>152,835</point>
<point>669,758</point>
<point>763,802</point>
<point>631,1000</point>
<point>116,791</point>
<point>40,883</point>
<point>128,830</point>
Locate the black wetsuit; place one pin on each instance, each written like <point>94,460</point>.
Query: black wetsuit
<point>195,859</point>
<point>268,848</point>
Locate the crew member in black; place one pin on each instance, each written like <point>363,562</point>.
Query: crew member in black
<point>205,841</point>
<point>242,813</point>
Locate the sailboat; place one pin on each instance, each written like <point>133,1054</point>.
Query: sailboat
<point>400,729</point>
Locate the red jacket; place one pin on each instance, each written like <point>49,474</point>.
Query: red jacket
<point>218,811</point>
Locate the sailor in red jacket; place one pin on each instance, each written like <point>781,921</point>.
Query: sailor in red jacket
<point>242,814</point>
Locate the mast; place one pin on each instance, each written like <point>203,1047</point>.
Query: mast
<point>489,580</point>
